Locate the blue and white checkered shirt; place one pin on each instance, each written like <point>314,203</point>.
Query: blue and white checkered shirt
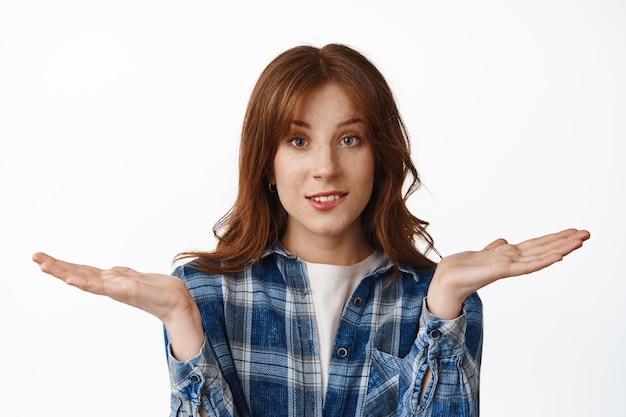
<point>261,352</point>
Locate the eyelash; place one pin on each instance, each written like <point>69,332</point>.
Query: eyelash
<point>295,138</point>
<point>356,139</point>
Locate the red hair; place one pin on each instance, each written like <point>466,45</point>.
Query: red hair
<point>257,220</point>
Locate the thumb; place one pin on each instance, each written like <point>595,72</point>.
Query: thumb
<point>496,243</point>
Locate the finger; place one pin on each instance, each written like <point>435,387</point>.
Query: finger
<point>560,248</point>
<point>84,277</point>
<point>496,243</point>
<point>552,253</point>
<point>534,264</point>
<point>39,257</point>
<point>62,269</point>
<point>554,241</point>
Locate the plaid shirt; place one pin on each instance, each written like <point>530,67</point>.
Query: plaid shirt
<point>261,352</point>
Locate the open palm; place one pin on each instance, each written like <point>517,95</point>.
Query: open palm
<point>160,295</point>
<point>461,274</point>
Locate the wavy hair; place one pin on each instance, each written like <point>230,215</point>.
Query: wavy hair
<point>257,219</point>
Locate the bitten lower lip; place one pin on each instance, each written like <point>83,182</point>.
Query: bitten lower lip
<point>326,201</point>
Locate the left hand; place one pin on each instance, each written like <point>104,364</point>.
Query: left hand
<point>461,274</point>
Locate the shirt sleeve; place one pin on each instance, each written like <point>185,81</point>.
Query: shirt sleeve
<point>451,349</point>
<point>198,382</point>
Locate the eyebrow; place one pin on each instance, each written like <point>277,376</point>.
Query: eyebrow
<point>343,123</point>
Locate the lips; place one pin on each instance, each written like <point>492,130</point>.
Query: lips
<point>326,201</point>
<point>326,198</point>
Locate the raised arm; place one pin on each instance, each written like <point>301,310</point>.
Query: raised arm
<point>459,275</point>
<point>163,296</point>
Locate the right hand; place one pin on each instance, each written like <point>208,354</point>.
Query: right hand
<point>163,296</point>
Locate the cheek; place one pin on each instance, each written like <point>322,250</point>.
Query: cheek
<point>369,169</point>
<point>288,167</point>
<point>371,179</point>
<point>278,170</point>
<point>278,167</point>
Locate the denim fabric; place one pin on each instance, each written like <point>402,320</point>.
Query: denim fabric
<point>260,356</point>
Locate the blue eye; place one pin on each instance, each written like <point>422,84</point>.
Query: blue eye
<point>349,140</point>
<point>298,142</point>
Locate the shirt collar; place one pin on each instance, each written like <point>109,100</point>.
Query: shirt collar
<point>385,266</point>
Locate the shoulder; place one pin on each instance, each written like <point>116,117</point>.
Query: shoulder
<point>190,272</point>
<point>269,269</point>
<point>412,275</point>
<point>200,284</point>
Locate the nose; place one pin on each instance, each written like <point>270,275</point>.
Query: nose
<point>326,164</point>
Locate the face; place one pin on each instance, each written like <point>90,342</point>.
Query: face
<point>324,171</point>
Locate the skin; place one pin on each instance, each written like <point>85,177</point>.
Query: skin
<point>320,156</point>
<point>461,274</point>
<point>325,153</point>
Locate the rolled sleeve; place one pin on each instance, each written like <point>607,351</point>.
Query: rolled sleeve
<point>198,382</point>
<point>440,346</point>
<point>442,338</point>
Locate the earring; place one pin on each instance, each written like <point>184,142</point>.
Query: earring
<point>272,187</point>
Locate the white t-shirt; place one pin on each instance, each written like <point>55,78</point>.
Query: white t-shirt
<point>331,287</point>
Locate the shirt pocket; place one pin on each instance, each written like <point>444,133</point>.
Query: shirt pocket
<point>382,387</point>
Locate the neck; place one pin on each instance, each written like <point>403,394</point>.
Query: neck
<point>329,250</point>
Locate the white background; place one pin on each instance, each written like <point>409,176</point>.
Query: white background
<point>119,128</point>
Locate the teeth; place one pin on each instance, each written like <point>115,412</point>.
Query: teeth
<point>326,198</point>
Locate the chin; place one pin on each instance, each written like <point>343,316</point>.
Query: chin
<point>333,230</point>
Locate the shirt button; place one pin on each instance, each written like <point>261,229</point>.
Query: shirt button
<point>195,378</point>
<point>435,334</point>
<point>357,301</point>
<point>342,352</point>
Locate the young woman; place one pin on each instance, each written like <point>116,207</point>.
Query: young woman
<point>316,300</point>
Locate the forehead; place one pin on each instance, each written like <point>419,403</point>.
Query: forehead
<point>328,101</point>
